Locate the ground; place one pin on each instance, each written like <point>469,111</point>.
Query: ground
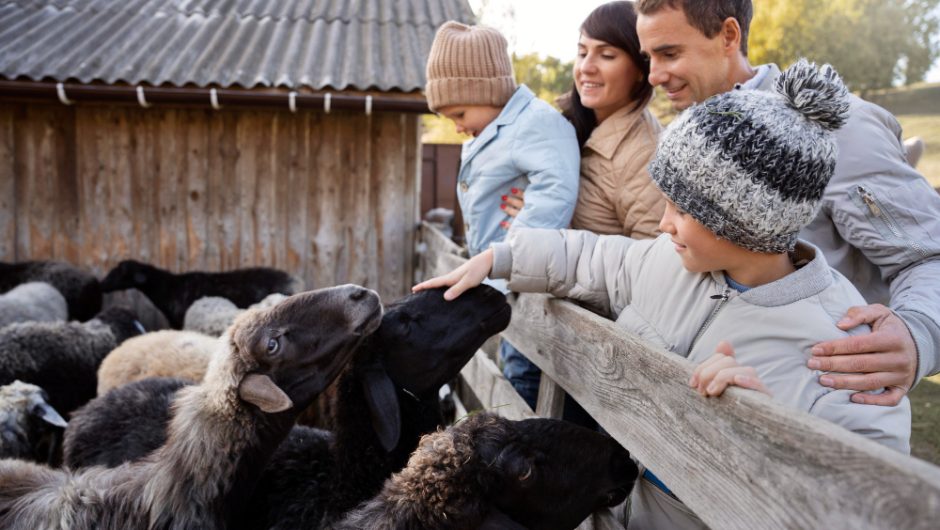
<point>925,420</point>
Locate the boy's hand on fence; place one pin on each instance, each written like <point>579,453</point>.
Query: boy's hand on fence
<point>466,276</point>
<point>885,358</point>
<point>512,205</point>
<point>713,376</point>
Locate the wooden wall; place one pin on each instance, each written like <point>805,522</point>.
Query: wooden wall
<point>328,197</point>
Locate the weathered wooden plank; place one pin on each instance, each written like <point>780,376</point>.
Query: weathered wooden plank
<point>551,400</point>
<point>326,227</point>
<point>196,178</point>
<point>295,204</point>
<point>152,161</point>
<point>8,182</point>
<point>167,184</point>
<point>265,187</point>
<point>739,461</point>
<point>356,192</point>
<point>66,223</point>
<point>491,390</point>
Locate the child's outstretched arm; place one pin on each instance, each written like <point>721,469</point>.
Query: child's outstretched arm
<point>714,375</point>
<point>466,276</point>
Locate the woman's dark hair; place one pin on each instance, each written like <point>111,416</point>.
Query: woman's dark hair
<point>615,24</point>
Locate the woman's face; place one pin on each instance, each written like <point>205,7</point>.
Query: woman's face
<point>604,76</point>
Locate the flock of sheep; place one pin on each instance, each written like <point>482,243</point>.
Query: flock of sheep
<point>210,424</point>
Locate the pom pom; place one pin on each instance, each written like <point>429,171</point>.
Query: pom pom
<point>817,93</point>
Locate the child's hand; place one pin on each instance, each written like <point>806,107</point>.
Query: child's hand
<point>713,376</point>
<point>512,205</point>
<point>470,274</point>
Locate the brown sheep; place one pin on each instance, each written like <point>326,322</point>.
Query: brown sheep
<point>165,353</point>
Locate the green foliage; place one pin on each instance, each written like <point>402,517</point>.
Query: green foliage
<point>547,77</point>
<point>872,43</point>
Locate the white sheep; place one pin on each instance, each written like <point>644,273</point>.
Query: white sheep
<point>164,353</point>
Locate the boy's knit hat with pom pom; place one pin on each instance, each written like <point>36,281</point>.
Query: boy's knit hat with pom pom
<point>751,165</point>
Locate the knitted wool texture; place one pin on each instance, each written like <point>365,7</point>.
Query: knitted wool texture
<point>468,65</point>
<point>752,165</point>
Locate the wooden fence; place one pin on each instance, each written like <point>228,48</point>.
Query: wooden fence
<point>739,461</point>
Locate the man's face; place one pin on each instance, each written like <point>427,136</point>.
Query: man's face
<point>689,66</point>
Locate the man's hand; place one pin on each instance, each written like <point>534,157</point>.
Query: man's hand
<point>722,370</point>
<point>885,358</point>
<point>470,274</point>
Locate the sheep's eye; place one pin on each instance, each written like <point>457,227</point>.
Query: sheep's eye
<point>273,345</point>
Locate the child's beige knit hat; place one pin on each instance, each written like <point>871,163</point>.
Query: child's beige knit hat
<point>468,65</point>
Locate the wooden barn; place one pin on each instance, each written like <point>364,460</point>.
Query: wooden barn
<point>216,134</point>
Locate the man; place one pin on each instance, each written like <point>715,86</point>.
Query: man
<point>880,220</point>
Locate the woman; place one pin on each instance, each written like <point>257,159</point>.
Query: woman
<point>616,132</point>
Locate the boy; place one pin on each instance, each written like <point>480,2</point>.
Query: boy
<point>519,143</point>
<point>744,172</point>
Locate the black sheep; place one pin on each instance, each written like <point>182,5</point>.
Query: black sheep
<point>382,406</point>
<point>174,293</point>
<point>63,357</point>
<point>29,427</point>
<point>81,289</point>
<point>490,472</point>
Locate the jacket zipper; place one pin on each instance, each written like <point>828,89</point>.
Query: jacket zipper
<point>722,298</point>
<point>869,199</point>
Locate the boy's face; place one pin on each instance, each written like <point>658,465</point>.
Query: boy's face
<point>470,119</point>
<point>689,66</point>
<point>700,249</point>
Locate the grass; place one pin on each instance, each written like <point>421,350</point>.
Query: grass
<point>925,420</point>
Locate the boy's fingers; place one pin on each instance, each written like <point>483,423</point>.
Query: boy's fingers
<point>459,288</point>
<point>725,348</point>
<point>889,398</point>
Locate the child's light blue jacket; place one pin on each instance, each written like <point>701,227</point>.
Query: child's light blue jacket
<point>528,146</point>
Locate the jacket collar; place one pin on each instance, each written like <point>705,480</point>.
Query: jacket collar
<point>809,280</point>
<point>764,79</point>
<point>520,100</point>
<point>607,137</point>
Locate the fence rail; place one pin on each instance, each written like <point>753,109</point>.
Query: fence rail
<point>739,461</point>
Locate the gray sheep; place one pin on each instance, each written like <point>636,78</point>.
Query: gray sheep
<point>212,315</point>
<point>490,472</point>
<point>32,302</point>
<point>29,427</point>
<point>80,288</point>
<point>63,357</point>
<point>221,434</point>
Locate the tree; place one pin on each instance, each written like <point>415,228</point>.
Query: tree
<point>548,78</point>
<point>872,43</point>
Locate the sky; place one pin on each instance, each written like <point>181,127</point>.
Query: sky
<point>550,27</point>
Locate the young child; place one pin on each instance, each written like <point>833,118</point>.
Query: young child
<point>520,143</point>
<point>743,172</point>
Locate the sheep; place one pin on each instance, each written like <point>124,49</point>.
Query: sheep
<point>80,289</point>
<point>490,472</point>
<point>221,433</point>
<point>382,404</point>
<point>96,437</point>
<point>32,302</point>
<point>29,427</point>
<point>62,357</point>
<point>212,315</point>
<point>164,353</point>
<point>174,293</point>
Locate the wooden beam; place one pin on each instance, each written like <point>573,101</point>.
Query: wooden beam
<point>492,391</point>
<point>739,461</point>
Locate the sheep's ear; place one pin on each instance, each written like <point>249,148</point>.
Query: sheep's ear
<point>383,405</point>
<point>260,390</point>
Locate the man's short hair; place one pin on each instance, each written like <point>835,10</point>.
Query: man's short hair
<point>706,15</point>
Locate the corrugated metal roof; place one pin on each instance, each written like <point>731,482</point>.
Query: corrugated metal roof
<point>319,44</point>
